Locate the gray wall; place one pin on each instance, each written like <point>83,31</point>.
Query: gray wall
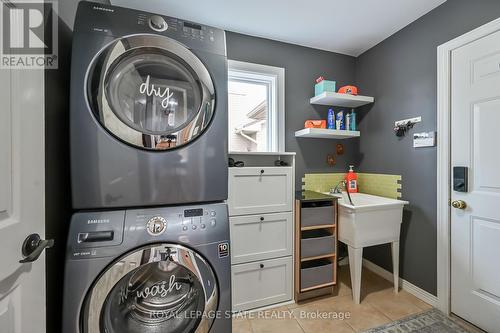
<point>302,66</point>
<point>401,73</point>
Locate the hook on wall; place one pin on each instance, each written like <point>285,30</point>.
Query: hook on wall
<point>401,130</point>
<point>402,126</point>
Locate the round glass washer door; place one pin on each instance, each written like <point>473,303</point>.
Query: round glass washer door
<point>151,92</point>
<point>159,288</point>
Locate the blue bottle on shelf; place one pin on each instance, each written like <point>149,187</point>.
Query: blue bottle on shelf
<point>353,121</point>
<point>331,119</point>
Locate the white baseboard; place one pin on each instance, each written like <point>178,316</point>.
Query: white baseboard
<point>405,285</point>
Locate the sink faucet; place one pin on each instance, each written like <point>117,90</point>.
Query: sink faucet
<point>337,189</point>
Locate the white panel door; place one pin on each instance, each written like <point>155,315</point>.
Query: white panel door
<point>475,229</point>
<point>22,285</point>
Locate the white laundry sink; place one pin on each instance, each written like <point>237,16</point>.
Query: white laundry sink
<point>371,220</point>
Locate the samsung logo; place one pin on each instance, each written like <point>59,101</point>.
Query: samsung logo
<point>103,9</point>
<point>98,221</point>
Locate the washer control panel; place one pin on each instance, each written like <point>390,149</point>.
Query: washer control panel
<point>176,220</point>
<point>104,233</point>
<point>198,219</point>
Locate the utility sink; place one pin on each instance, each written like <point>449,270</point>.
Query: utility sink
<point>370,220</point>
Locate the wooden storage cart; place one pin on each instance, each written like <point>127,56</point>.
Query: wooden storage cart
<point>315,267</point>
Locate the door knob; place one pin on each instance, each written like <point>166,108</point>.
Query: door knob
<point>33,247</point>
<point>459,204</point>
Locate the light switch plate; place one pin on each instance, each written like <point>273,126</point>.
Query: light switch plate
<point>424,139</point>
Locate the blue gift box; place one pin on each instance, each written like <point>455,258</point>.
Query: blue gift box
<point>323,86</point>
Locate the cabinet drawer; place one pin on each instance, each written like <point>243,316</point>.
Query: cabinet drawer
<point>316,273</point>
<point>255,190</point>
<point>316,243</point>
<point>261,283</point>
<point>317,215</point>
<point>259,237</point>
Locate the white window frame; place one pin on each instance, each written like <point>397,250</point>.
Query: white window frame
<point>274,79</point>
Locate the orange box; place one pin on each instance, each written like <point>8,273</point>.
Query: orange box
<point>315,124</point>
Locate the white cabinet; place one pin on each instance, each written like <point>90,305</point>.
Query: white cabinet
<point>262,229</point>
<point>261,283</point>
<point>259,237</point>
<point>258,190</point>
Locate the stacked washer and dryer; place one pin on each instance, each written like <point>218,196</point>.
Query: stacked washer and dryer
<point>148,248</point>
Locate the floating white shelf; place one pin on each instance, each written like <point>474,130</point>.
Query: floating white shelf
<point>343,100</point>
<point>265,153</point>
<point>322,133</point>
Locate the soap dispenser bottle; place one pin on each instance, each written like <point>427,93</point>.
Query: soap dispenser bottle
<point>352,180</point>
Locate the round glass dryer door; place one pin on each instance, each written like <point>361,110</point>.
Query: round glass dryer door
<point>151,92</point>
<point>160,288</point>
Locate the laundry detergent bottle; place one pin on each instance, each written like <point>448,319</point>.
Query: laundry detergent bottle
<point>352,180</point>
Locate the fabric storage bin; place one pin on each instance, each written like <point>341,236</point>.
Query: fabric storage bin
<point>317,213</point>
<point>323,86</point>
<point>316,243</point>
<point>315,273</point>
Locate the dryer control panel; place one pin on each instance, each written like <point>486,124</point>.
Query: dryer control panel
<point>119,21</point>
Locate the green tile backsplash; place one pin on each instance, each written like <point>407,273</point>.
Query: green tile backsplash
<point>388,186</point>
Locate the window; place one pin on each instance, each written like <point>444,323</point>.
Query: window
<point>256,108</point>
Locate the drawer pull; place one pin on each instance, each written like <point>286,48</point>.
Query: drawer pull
<point>262,218</point>
<point>261,265</point>
<point>262,171</point>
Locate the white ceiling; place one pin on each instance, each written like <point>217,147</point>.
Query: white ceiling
<point>343,26</point>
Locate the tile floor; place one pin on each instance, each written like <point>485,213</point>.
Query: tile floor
<point>379,305</point>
